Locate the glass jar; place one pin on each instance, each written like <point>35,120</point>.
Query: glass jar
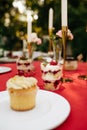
<point>24,66</point>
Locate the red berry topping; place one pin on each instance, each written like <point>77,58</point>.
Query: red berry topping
<point>20,72</point>
<point>53,63</point>
<point>26,64</point>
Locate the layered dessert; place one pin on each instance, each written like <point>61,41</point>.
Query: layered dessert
<point>24,66</point>
<point>22,92</point>
<point>51,75</point>
<point>70,63</point>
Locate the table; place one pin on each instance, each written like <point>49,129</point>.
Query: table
<point>75,93</point>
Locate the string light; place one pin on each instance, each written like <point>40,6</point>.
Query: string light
<point>20,4</point>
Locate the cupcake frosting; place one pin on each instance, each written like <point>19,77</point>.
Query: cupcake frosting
<point>20,82</point>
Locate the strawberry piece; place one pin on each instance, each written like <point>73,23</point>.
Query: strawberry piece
<point>53,63</point>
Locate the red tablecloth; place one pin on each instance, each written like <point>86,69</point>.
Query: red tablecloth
<point>75,93</point>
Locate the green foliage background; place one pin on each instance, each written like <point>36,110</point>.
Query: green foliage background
<point>77,21</point>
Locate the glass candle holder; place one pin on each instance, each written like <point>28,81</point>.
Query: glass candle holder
<point>57,50</point>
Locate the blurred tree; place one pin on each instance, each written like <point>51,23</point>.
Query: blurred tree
<point>77,23</point>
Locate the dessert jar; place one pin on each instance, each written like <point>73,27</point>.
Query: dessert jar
<point>71,63</point>
<point>51,75</point>
<point>24,66</point>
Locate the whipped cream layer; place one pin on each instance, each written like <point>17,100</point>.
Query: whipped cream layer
<point>51,76</point>
<point>49,67</point>
<point>24,67</point>
<point>22,61</point>
<point>20,82</point>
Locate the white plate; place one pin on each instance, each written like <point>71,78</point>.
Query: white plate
<point>51,110</point>
<point>4,69</point>
<point>7,59</point>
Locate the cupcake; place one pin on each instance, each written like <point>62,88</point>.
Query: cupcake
<point>22,92</point>
<point>51,75</point>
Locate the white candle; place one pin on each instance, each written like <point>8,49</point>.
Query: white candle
<point>64,12</point>
<point>50,18</point>
<point>29,26</point>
